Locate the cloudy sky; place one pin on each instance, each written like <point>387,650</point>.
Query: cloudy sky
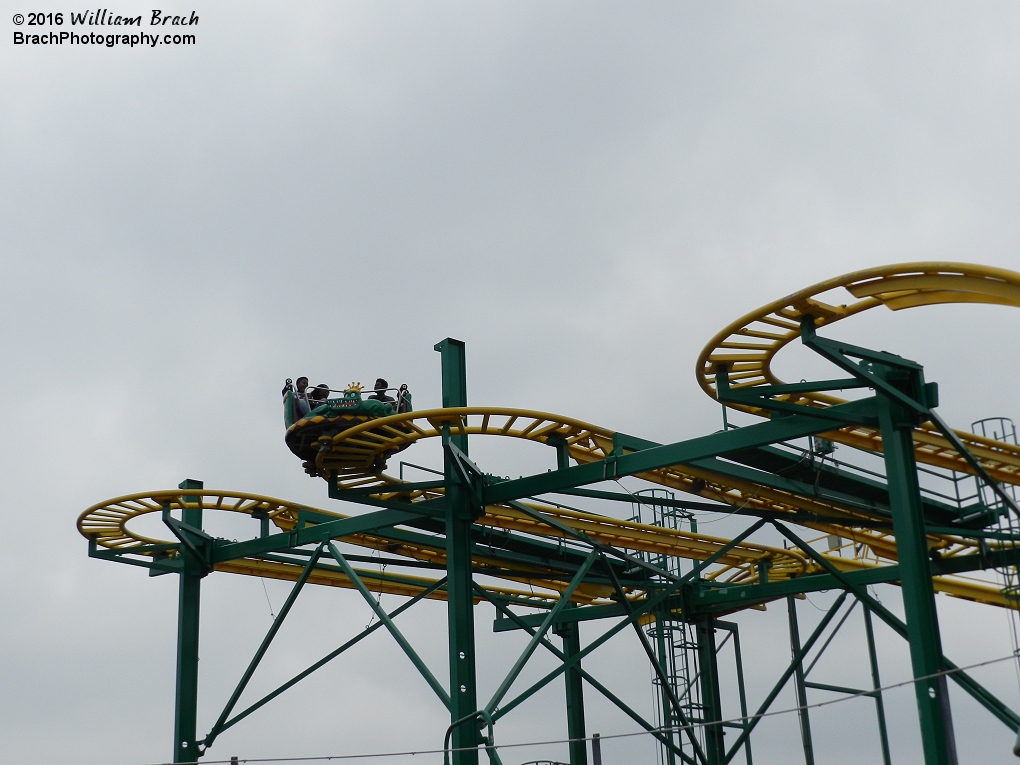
<point>582,192</point>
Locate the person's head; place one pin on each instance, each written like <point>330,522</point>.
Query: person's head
<point>381,384</point>
<point>302,383</point>
<point>321,392</point>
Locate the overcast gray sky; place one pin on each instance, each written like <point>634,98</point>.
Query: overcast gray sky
<point>583,192</point>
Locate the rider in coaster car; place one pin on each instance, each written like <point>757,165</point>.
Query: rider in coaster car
<point>319,393</point>
<point>299,398</point>
<point>380,392</point>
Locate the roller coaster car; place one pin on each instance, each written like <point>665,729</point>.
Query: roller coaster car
<point>312,434</point>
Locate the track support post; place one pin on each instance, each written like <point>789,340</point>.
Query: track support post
<point>897,423</point>
<point>186,747</point>
<point>460,593</point>
<point>876,684</point>
<point>711,699</point>
<point>570,633</point>
<point>798,677</point>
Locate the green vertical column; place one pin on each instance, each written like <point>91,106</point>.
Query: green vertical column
<point>571,634</point>
<point>711,700</point>
<point>918,595</point>
<point>876,684</point>
<point>188,606</point>
<point>460,600</point>
<point>741,692</point>
<point>805,720</point>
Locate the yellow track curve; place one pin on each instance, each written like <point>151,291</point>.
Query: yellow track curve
<point>588,443</point>
<point>107,523</point>
<point>747,347</point>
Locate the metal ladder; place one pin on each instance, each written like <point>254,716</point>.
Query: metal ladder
<point>1003,429</point>
<point>672,639</point>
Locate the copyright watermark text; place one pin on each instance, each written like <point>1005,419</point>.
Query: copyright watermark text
<point>112,30</point>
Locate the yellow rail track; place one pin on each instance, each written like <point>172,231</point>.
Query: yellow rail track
<point>108,523</point>
<point>749,345</point>
<point>588,443</point>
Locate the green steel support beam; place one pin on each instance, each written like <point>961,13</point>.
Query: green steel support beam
<point>905,389</point>
<point>411,654</point>
<point>903,401</point>
<point>785,677</point>
<point>539,635</point>
<point>562,451</point>
<point>156,564</point>
<point>266,642</point>
<point>983,696</point>
<point>915,579</point>
<point>621,496</point>
<point>570,634</point>
<point>720,598</point>
<point>636,562</point>
<point>798,680</point>
<point>711,697</point>
<point>832,636</point>
<point>571,662</point>
<point>774,479</point>
<point>545,560</point>
<point>315,533</point>
<point>375,577</point>
<point>762,477</point>
<point>460,597</point>
<point>797,517</point>
<point>503,571</point>
<point>570,616</point>
<point>576,659</point>
<point>762,395</point>
<point>660,672</point>
<point>872,368</point>
<point>489,542</point>
<point>432,507</point>
<point>368,491</point>
<point>876,684</point>
<point>741,691</point>
<point>844,689</point>
<point>493,543</point>
<point>783,429</point>
<point>186,747</point>
<point>330,656</point>
<point>646,606</point>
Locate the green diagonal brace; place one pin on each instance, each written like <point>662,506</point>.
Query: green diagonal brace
<point>330,656</point>
<point>612,697</point>
<point>385,619</point>
<point>798,657</point>
<point>664,682</point>
<point>540,634</point>
<point>277,623</point>
<point>987,699</point>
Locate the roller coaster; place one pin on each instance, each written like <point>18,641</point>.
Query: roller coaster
<point>545,567</point>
